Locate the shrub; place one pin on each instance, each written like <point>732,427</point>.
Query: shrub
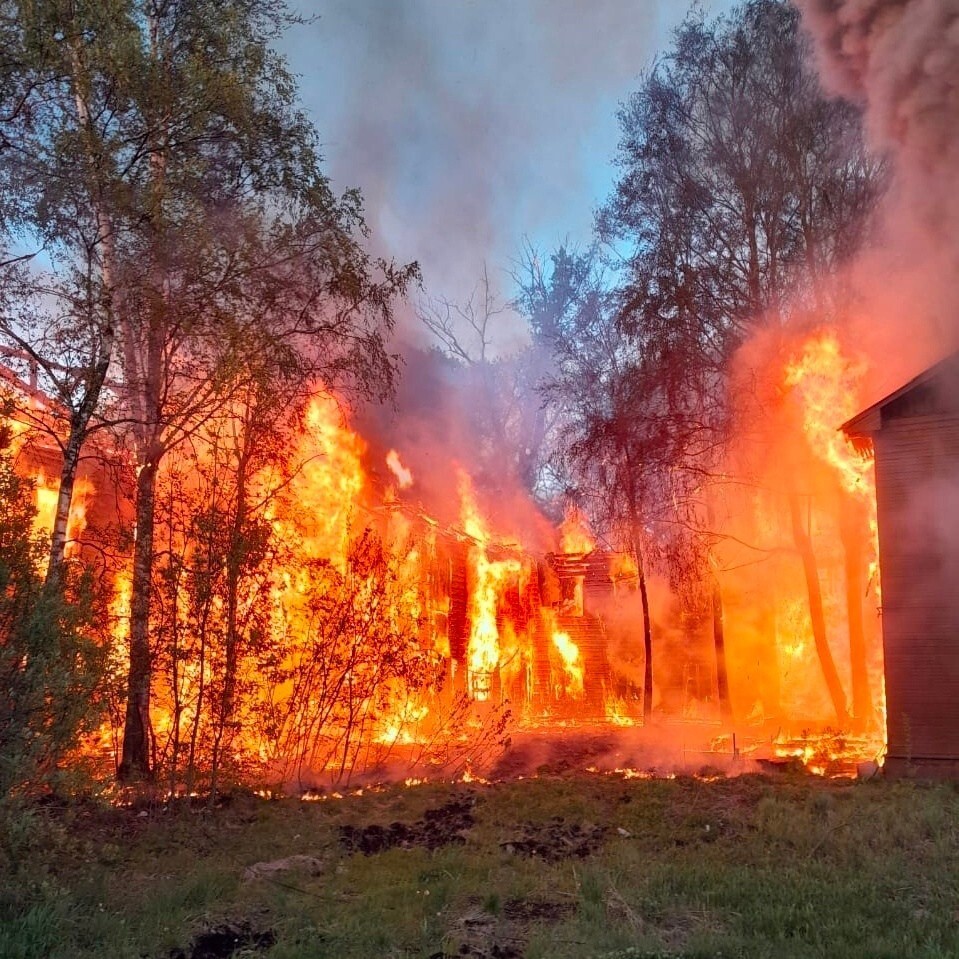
<point>50,664</point>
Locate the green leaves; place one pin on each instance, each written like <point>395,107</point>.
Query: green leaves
<point>50,664</point>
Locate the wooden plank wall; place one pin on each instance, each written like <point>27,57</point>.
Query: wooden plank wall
<point>917,481</point>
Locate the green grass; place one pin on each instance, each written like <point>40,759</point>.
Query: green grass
<point>747,867</point>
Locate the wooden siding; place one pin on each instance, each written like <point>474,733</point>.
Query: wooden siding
<point>917,481</point>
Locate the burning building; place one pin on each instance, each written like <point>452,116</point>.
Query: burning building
<point>915,435</point>
<point>513,627</point>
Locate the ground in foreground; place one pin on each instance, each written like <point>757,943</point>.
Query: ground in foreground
<point>582,865</point>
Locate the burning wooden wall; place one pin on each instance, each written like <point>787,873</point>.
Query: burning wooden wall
<point>547,621</point>
<point>915,435</point>
<point>472,623</point>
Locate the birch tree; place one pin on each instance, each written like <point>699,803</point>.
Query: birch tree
<point>170,130</point>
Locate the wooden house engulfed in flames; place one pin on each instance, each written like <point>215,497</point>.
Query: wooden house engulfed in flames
<point>549,622</point>
<point>914,433</point>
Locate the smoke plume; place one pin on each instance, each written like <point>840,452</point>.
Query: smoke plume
<point>899,59</point>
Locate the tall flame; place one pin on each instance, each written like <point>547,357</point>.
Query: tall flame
<point>404,476</point>
<point>828,384</point>
<point>329,485</point>
<point>490,578</point>
<point>572,663</point>
<point>574,534</point>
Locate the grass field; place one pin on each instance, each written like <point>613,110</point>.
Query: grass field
<point>573,865</point>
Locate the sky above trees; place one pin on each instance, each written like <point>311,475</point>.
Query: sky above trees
<point>473,123</point>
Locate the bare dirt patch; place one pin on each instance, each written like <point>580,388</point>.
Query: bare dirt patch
<point>225,940</point>
<point>556,840</point>
<point>504,933</point>
<point>443,826</point>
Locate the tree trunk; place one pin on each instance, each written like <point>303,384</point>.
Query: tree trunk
<point>632,505</point>
<point>136,762</point>
<point>106,256</point>
<point>234,566</point>
<point>145,399</point>
<point>647,629</point>
<point>719,644</point>
<point>719,627</point>
<point>61,519</point>
<point>647,641</point>
<point>79,422</point>
<point>852,528</point>
<point>816,615</point>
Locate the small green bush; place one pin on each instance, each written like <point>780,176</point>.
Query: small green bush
<point>50,664</point>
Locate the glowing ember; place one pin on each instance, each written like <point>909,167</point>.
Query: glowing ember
<point>830,753</point>
<point>616,713</point>
<point>402,726</point>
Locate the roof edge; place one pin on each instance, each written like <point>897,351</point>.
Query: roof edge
<point>869,420</point>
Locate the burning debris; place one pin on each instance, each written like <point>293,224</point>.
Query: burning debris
<point>296,596</point>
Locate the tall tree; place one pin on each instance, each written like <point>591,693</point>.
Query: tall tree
<point>552,292</point>
<point>172,129</point>
<point>58,315</point>
<point>496,378</point>
<point>606,448</point>
<point>741,185</point>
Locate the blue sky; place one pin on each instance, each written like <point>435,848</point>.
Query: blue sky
<point>469,124</point>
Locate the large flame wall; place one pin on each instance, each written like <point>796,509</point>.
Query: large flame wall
<point>310,613</point>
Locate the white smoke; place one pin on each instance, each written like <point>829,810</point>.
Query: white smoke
<point>900,58</point>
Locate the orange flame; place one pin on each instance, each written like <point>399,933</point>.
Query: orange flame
<point>514,648</point>
<point>572,663</point>
<point>330,483</point>
<point>828,384</point>
<point>490,578</point>
<point>574,534</point>
<point>404,477</point>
